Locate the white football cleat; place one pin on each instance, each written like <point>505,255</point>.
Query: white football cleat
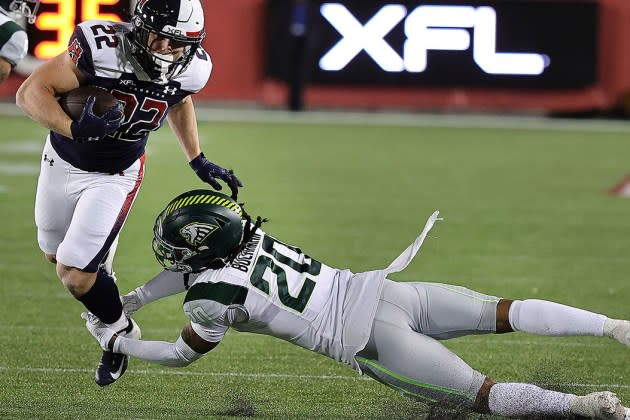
<point>618,329</point>
<point>599,405</point>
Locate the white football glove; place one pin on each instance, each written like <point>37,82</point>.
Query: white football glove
<point>131,303</point>
<point>98,329</point>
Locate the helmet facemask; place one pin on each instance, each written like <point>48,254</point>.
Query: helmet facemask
<point>198,230</point>
<point>153,18</point>
<point>182,259</point>
<point>26,8</point>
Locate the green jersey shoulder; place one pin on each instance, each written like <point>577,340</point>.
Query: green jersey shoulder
<point>13,40</point>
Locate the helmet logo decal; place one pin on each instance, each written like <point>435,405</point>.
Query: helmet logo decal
<point>196,233</point>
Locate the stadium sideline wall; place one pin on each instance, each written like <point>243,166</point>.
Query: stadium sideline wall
<point>236,41</point>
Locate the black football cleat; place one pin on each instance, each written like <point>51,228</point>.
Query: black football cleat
<point>110,368</point>
<point>113,365</point>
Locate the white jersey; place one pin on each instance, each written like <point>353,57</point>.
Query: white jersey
<point>275,289</point>
<point>13,40</point>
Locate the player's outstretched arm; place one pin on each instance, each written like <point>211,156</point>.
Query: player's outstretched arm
<point>188,347</point>
<point>37,96</point>
<point>183,122</point>
<point>164,284</point>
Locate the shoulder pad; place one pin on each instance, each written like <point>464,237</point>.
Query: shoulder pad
<point>198,72</point>
<point>96,48</point>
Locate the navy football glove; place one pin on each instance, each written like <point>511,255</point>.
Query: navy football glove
<point>90,127</point>
<point>208,172</point>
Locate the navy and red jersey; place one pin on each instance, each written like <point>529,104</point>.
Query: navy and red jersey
<point>98,50</point>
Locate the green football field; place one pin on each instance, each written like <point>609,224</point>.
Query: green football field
<point>526,215</point>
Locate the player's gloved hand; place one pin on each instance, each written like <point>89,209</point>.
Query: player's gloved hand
<point>131,303</point>
<point>208,172</point>
<point>91,127</point>
<point>99,330</point>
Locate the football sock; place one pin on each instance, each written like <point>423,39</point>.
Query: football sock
<point>554,319</point>
<point>516,399</point>
<point>103,300</point>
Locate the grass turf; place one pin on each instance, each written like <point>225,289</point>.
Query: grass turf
<point>526,215</point>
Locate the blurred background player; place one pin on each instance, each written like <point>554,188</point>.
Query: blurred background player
<point>13,39</point>
<point>92,168</point>
<point>253,282</point>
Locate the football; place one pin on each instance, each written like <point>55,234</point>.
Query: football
<point>72,102</point>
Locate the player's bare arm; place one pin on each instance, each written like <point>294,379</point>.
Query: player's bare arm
<point>5,69</point>
<point>183,122</point>
<point>37,96</point>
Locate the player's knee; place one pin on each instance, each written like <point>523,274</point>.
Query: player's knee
<point>76,281</point>
<point>503,316</point>
<point>481,404</point>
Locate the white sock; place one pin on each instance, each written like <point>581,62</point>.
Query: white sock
<point>618,329</point>
<point>554,319</point>
<point>516,399</point>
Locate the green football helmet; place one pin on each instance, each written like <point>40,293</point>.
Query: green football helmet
<point>197,230</point>
<point>26,8</point>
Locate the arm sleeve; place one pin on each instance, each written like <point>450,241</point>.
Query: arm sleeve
<point>176,354</point>
<point>165,284</point>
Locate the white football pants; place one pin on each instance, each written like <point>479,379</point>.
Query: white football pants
<point>78,213</point>
<point>403,351</point>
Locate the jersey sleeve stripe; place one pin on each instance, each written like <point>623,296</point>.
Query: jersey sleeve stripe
<point>223,293</point>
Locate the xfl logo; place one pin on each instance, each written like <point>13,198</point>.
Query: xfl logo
<point>444,28</point>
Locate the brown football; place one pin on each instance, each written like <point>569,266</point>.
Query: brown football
<point>72,102</point>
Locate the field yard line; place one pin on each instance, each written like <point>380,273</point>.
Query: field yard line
<point>389,118</point>
<point>183,373</point>
<point>18,169</point>
<point>409,119</point>
<point>266,375</point>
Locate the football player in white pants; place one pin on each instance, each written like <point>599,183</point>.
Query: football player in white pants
<point>92,167</point>
<point>239,276</point>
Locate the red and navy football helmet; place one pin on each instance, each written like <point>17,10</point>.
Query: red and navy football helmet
<point>180,21</point>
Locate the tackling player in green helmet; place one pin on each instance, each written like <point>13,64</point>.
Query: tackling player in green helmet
<point>238,276</point>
